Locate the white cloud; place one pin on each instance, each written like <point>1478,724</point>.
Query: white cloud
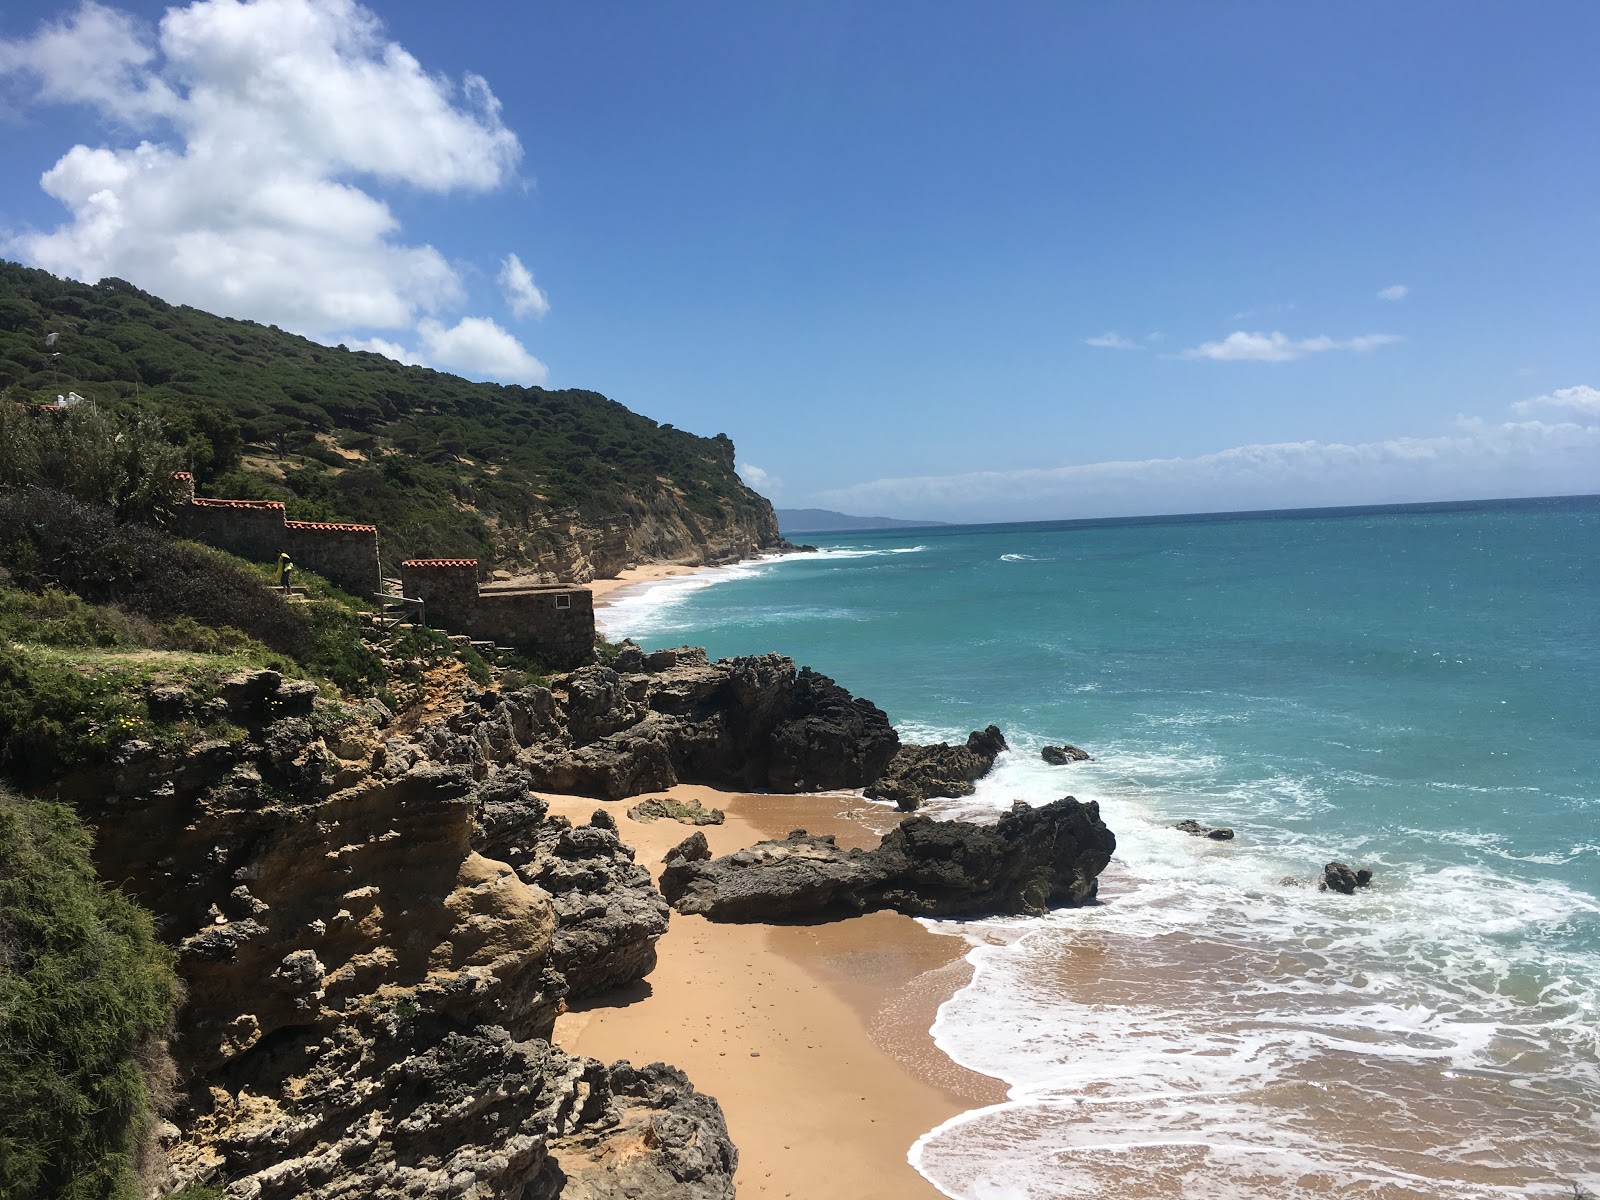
<point>1111,340</point>
<point>477,347</point>
<point>1475,458</point>
<point>1396,291</point>
<point>1581,401</point>
<point>523,296</point>
<point>1280,347</point>
<point>758,480</point>
<point>256,118</point>
<point>474,346</point>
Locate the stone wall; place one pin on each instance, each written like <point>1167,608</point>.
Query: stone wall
<point>553,622</point>
<point>259,529</point>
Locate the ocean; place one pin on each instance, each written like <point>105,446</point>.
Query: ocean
<point>1415,690</point>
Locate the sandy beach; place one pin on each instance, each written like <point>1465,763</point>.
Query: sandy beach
<point>813,1037</point>
<point>603,589</point>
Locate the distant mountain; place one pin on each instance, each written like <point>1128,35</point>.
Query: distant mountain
<point>822,520</point>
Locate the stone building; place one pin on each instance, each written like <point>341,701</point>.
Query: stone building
<point>552,622</point>
<point>259,529</point>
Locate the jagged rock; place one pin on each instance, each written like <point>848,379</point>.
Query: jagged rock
<point>396,1104</point>
<point>918,773</point>
<point>1060,756</point>
<point>608,914</point>
<point>753,723</point>
<point>657,1107</point>
<point>1195,829</point>
<point>689,812</point>
<point>1028,861</point>
<point>1337,877</point>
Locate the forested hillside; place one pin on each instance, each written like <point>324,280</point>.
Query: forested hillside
<point>568,481</point>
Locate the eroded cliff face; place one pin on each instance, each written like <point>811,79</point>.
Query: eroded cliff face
<point>660,527</point>
<point>370,991</point>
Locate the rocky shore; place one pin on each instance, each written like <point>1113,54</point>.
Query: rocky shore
<point>377,928</point>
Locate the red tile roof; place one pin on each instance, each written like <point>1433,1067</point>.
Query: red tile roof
<point>323,526</point>
<point>455,563</point>
<point>206,502</point>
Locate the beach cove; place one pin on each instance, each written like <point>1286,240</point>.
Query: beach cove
<point>1209,1022</point>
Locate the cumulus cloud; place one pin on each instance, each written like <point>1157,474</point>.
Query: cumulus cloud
<point>1474,458</point>
<point>1111,340</point>
<point>758,480</point>
<point>1395,291</point>
<point>523,296</point>
<point>473,346</point>
<point>1582,402</point>
<point>266,127</point>
<point>1240,346</point>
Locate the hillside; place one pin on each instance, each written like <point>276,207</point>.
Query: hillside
<point>568,482</point>
<point>825,520</point>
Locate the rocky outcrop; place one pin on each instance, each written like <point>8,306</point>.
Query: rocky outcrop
<point>686,812</point>
<point>375,937</point>
<point>1337,877</point>
<point>1030,860</point>
<point>1061,756</point>
<point>672,716</point>
<point>398,1104</point>
<point>918,773</point>
<point>1195,829</point>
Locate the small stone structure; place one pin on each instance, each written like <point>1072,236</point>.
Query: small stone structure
<point>259,529</point>
<point>554,622</point>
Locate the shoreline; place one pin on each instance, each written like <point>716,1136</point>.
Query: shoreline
<point>605,591</point>
<point>813,1038</point>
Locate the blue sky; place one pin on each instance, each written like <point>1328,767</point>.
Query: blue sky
<point>929,259</point>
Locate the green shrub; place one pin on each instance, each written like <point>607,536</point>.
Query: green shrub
<point>86,1000</point>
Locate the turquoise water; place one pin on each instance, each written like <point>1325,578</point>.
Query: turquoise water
<point>1413,691</point>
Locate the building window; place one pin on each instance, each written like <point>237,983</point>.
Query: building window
<point>563,601</point>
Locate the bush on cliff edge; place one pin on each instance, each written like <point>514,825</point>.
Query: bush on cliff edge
<point>87,997</point>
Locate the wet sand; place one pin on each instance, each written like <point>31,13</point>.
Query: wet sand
<point>813,1037</point>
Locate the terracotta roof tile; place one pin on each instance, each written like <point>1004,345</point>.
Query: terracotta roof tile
<point>322,526</point>
<point>207,502</point>
<point>440,562</point>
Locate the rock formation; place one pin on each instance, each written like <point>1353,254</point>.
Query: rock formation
<point>688,812</point>
<point>1195,829</point>
<point>918,773</point>
<point>1337,877</point>
<point>1030,860</point>
<point>659,719</point>
<point>1061,756</point>
<point>375,939</point>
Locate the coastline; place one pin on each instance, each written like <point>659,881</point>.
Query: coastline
<point>814,1038</point>
<point>605,591</point>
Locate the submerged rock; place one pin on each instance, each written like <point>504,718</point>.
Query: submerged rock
<point>918,773</point>
<point>1195,829</point>
<point>1061,756</point>
<point>1029,861</point>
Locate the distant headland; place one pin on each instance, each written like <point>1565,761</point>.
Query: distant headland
<point>823,520</point>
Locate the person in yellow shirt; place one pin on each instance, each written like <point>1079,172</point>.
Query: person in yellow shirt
<point>285,570</point>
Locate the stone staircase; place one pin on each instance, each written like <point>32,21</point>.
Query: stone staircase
<point>394,611</point>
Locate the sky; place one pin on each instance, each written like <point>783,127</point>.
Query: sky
<point>918,258</point>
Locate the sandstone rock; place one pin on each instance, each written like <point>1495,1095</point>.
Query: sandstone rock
<point>918,773</point>
<point>1028,861</point>
<point>1195,829</point>
<point>1060,756</point>
<point>1337,877</point>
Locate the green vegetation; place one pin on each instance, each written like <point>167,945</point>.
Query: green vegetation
<point>443,466</point>
<point>86,999</point>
